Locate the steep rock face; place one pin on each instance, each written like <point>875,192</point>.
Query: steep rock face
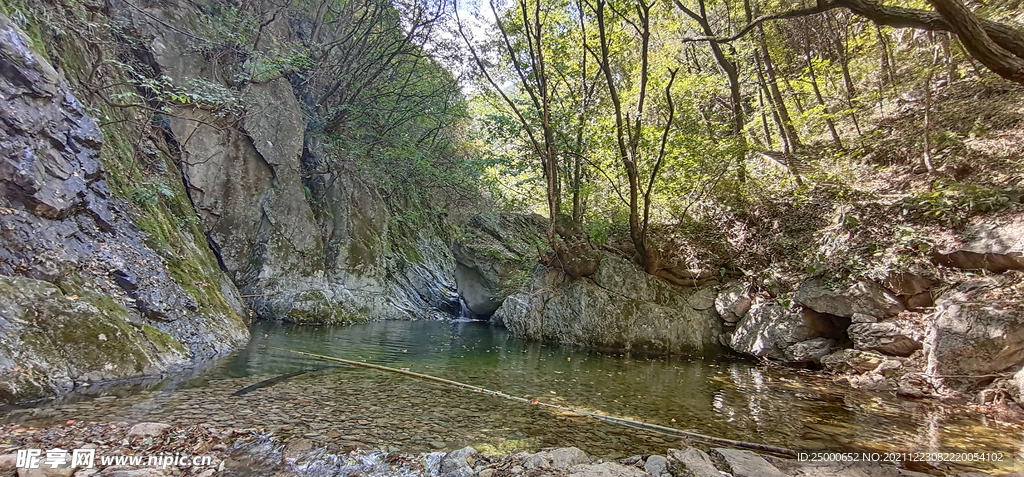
<point>83,296</point>
<point>622,308</point>
<point>304,243</point>
<point>977,330</point>
<point>496,253</point>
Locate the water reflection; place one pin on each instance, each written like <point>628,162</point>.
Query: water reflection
<point>726,398</point>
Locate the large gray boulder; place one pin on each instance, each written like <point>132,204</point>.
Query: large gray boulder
<point>621,308</point>
<point>691,463</point>
<point>744,463</point>
<point>996,246</point>
<point>495,257</point>
<point>896,338</point>
<point>768,330</point>
<point>977,330</point>
<point>733,302</point>
<point>559,458</point>
<point>864,296</point>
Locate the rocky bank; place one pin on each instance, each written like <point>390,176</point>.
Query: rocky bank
<point>911,334</point>
<point>251,450</point>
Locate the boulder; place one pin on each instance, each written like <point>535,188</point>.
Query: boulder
<point>8,463</point>
<point>733,302</point>
<point>657,466</point>
<point>895,338</point>
<point>768,329</point>
<point>621,308</point>
<point>810,351</point>
<point>459,463</point>
<point>691,463</point>
<point>863,296</point>
<point>703,298</point>
<point>148,429</point>
<point>913,290</point>
<point>495,257</point>
<point>744,463</point>
<point>996,246</point>
<point>908,284</point>
<point>852,360</point>
<point>605,469</point>
<point>977,330</point>
<point>560,458</point>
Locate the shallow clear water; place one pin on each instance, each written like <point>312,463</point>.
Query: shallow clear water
<point>347,407</point>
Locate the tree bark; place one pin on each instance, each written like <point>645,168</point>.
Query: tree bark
<point>998,46</point>
<point>975,38</point>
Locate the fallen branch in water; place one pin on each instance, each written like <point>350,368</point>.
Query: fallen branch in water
<point>616,420</point>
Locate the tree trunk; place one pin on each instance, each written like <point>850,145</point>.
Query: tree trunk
<point>977,41</point>
<point>776,94</point>
<point>817,94</point>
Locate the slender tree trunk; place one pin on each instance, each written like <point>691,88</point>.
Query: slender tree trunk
<point>766,94</point>
<point>776,94</point>
<point>795,95</point>
<point>926,158</point>
<point>817,94</point>
<point>764,115</point>
<point>952,72</point>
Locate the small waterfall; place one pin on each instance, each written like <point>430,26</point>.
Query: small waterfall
<point>464,312</point>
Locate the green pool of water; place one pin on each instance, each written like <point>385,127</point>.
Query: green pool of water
<point>348,407</point>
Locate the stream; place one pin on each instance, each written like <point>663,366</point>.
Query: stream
<point>344,407</point>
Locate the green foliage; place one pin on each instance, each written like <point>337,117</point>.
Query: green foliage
<point>952,203</point>
<point>150,194</point>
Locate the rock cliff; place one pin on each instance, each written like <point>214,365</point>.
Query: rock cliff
<point>85,295</point>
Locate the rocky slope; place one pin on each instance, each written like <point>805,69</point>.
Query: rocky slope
<point>84,294</point>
